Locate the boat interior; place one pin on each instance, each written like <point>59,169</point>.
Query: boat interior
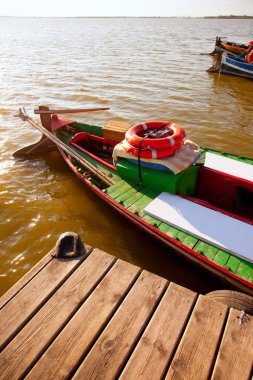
<point>234,195</point>
<point>219,185</point>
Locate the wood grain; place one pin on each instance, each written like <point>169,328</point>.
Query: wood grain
<point>15,314</point>
<point>159,340</point>
<point>87,323</point>
<point>35,337</point>
<point>110,351</point>
<point>235,356</point>
<point>196,352</point>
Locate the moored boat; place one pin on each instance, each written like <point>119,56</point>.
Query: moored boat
<point>231,65</point>
<point>195,200</point>
<point>232,47</point>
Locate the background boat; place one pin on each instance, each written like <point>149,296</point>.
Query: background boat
<point>233,47</point>
<point>229,64</point>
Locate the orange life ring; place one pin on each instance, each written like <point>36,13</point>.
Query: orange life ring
<point>148,152</point>
<point>134,138</point>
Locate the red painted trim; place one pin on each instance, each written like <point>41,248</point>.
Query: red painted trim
<point>96,158</point>
<point>83,135</point>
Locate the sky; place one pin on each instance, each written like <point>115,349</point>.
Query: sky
<point>131,8</point>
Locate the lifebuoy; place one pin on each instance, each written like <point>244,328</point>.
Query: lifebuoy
<point>134,138</point>
<point>148,152</point>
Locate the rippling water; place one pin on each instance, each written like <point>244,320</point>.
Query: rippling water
<point>143,69</point>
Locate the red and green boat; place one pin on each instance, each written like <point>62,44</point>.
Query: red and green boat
<point>197,201</point>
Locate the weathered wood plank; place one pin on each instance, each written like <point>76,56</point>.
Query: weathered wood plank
<point>196,352</point>
<point>15,314</point>
<point>87,323</point>
<point>159,340</point>
<point>235,356</point>
<point>112,348</point>
<point>32,341</point>
<point>99,318</point>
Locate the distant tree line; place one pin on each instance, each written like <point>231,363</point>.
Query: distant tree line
<point>231,16</point>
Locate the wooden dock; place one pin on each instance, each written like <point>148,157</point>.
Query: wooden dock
<point>98,317</point>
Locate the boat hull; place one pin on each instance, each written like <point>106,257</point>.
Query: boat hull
<point>191,255</point>
<point>224,183</point>
<point>232,67</point>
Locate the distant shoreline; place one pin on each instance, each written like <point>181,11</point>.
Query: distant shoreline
<point>230,17</point>
<point>187,17</point>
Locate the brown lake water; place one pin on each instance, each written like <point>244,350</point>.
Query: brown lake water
<point>143,69</point>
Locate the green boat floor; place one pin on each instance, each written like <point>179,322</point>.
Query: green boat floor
<point>188,240</point>
<point>233,263</point>
<point>169,230</point>
<point>138,207</point>
<point>127,195</point>
<point>133,199</point>
<point>208,250</point>
<point>117,190</point>
<point>245,270</point>
<point>221,258</point>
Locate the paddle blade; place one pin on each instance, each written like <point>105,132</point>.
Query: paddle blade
<point>42,146</point>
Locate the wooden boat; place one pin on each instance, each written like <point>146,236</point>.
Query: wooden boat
<point>229,46</point>
<point>231,65</point>
<point>197,201</point>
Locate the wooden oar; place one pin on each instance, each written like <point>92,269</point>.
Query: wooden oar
<point>23,116</point>
<point>38,111</point>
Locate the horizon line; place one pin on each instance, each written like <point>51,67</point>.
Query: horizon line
<point>210,16</point>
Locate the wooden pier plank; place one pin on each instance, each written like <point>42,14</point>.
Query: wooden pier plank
<point>235,356</point>
<point>112,348</point>
<point>158,342</point>
<point>28,345</point>
<point>196,352</point>
<point>103,318</point>
<point>77,337</point>
<point>15,314</point>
